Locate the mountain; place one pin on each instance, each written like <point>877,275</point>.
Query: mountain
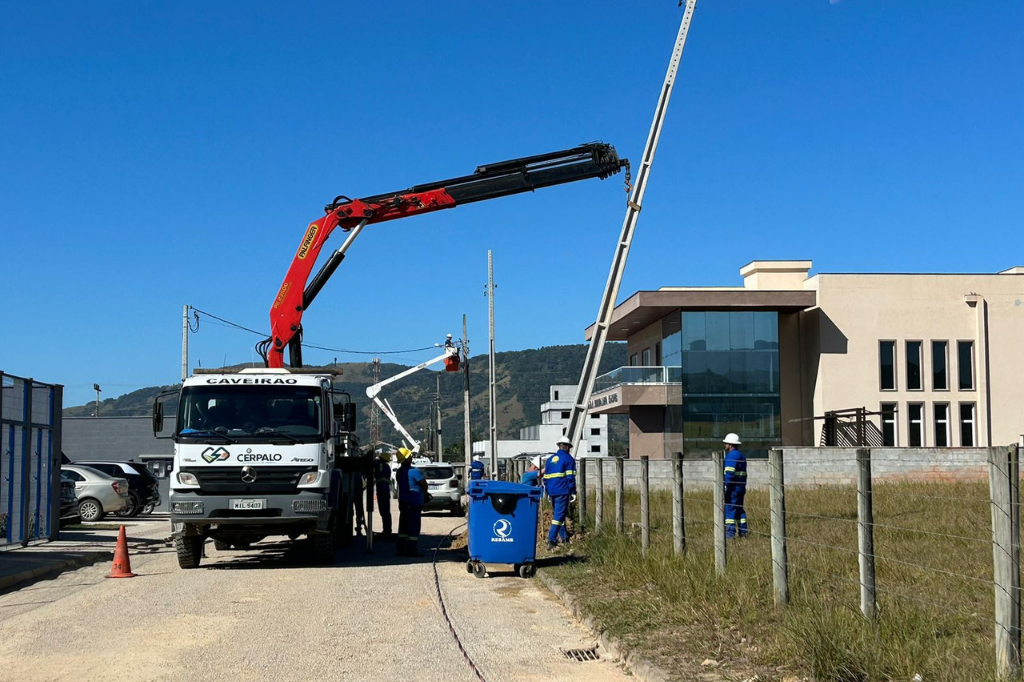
<point>522,378</point>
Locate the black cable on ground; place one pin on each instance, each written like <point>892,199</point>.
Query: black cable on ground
<point>444,609</point>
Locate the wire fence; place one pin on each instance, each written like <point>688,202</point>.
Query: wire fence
<point>942,549</point>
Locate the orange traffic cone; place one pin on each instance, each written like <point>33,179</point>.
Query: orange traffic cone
<point>122,566</point>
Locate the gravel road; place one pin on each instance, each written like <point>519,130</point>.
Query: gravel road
<point>267,614</point>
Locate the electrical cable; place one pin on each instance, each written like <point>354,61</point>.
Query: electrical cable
<point>444,609</point>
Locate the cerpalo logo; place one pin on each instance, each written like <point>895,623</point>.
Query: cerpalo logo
<point>212,455</point>
<point>307,241</point>
<point>250,456</point>
<point>502,531</point>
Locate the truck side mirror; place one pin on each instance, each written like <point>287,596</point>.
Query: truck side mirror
<point>158,417</point>
<point>351,414</point>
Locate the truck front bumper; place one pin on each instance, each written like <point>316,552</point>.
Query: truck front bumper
<point>191,511</point>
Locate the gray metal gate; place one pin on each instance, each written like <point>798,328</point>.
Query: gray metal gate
<point>30,437</point>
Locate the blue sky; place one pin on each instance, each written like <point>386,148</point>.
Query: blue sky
<point>167,153</point>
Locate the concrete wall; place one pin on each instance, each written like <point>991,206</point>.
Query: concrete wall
<point>112,438</point>
<point>815,466</point>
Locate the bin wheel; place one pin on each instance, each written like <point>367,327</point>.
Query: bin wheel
<point>527,571</point>
<point>469,567</point>
<point>479,570</point>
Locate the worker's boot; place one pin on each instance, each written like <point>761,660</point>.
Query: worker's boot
<point>552,546</point>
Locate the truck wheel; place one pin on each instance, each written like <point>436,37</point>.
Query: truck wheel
<point>221,546</point>
<point>189,550</point>
<point>90,510</point>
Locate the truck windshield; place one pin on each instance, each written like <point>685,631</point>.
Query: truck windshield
<point>251,413</point>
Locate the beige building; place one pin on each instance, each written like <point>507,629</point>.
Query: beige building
<point>785,359</point>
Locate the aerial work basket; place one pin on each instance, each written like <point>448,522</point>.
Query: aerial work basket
<point>451,363</point>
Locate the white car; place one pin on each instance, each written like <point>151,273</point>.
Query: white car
<point>444,486</point>
<point>98,494</point>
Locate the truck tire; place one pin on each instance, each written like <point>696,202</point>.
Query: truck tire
<point>189,550</point>
<point>323,548</point>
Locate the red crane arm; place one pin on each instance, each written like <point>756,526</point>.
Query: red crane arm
<point>595,159</point>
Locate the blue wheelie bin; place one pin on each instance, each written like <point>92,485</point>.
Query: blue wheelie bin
<point>502,526</point>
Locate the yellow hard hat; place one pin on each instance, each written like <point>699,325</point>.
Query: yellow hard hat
<point>403,454</point>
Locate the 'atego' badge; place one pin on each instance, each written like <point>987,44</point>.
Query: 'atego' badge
<point>502,531</point>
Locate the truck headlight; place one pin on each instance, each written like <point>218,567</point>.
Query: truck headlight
<point>186,478</point>
<point>309,478</point>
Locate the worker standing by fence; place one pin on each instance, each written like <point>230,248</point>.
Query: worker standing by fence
<point>735,487</point>
<point>560,482</point>
<point>532,475</point>
<point>476,469</point>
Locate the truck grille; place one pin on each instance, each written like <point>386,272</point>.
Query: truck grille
<point>228,480</point>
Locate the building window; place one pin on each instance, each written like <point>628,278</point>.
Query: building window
<point>914,364</point>
<point>565,414</point>
<point>940,360</point>
<point>657,354</point>
<point>595,432</point>
<point>556,395</point>
<point>965,365</point>
<point>887,363</point>
<point>889,425</point>
<point>915,422</point>
<point>941,425</point>
<point>646,355</point>
<point>633,360</point>
<point>967,425</point>
<point>595,448</point>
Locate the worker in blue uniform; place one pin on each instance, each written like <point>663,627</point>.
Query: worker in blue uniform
<point>412,492</point>
<point>560,483</point>
<point>382,485</point>
<point>735,487</point>
<point>476,469</point>
<point>532,475</point>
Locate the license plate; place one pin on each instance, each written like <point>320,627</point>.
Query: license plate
<point>248,504</point>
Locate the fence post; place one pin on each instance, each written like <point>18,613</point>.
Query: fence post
<point>599,498</point>
<point>718,462</point>
<point>780,558</point>
<point>620,491</point>
<point>581,490</point>
<point>678,525</point>
<point>865,534</point>
<point>1004,489</point>
<point>645,504</point>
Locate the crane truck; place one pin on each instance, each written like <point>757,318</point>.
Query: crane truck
<point>272,451</point>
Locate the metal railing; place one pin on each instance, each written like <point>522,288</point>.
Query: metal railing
<point>638,376</point>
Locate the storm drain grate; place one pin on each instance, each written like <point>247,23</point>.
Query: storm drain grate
<point>581,655</point>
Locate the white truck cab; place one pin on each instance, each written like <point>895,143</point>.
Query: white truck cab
<point>257,453</point>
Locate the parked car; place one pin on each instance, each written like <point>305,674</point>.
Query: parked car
<point>98,494</point>
<point>444,486</point>
<point>68,498</point>
<point>143,487</point>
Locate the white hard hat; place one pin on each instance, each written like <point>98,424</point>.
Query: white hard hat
<point>477,458</point>
<point>564,440</point>
<point>731,439</point>
<point>535,462</point>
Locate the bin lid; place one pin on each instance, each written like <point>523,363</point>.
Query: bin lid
<point>484,488</point>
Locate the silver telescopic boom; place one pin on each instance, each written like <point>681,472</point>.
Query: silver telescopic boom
<point>611,290</point>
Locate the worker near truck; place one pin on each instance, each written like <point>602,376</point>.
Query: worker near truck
<point>476,469</point>
<point>560,483</point>
<point>412,493</point>
<point>382,486</point>
<point>735,487</point>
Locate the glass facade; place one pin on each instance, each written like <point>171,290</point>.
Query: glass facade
<point>729,364</point>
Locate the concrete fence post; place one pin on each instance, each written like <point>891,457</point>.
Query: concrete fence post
<point>780,558</point>
<point>645,504</point>
<point>718,463</point>
<point>620,492</point>
<point>866,535</point>
<point>581,491</point>
<point>678,519</point>
<point>1004,470</point>
<point>599,497</point>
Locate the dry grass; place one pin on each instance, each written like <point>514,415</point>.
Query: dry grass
<point>934,587</point>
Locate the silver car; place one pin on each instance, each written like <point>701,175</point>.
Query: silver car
<point>98,494</point>
<point>444,486</point>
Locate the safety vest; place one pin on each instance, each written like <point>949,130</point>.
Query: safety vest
<point>735,468</point>
<point>560,474</point>
<point>476,471</point>
<point>381,473</point>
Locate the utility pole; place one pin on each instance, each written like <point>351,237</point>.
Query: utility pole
<point>467,434</point>
<point>96,387</point>
<point>604,314</point>
<point>184,343</point>
<point>440,445</point>
<point>494,403</point>
<point>374,410</point>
